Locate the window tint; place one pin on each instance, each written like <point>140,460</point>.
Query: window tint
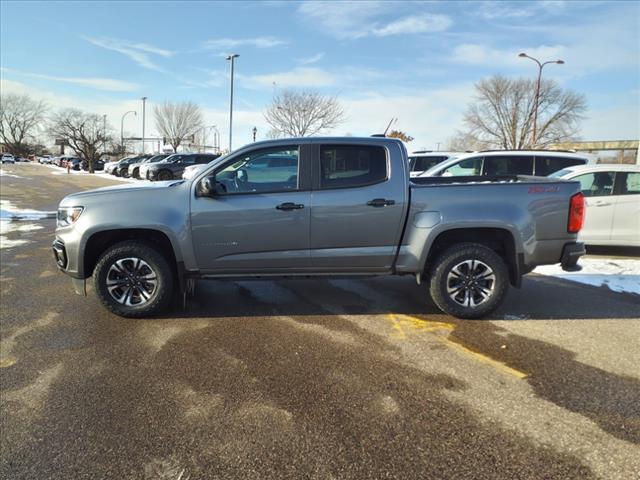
<point>267,170</point>
<point>508,165</point>
<point>548,165</point>
<point>421,164</point>
<point>351,165</point>
<point>204,158</point>
<point>470,166</point>
<point>631,185</point>
<point>597,184</point>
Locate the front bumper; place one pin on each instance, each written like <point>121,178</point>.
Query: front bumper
<point>570,255</point>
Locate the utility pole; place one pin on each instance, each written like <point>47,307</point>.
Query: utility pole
<point>254,131</point>
<point>231,57</point>
<point>144,113</point>
<point>122,128</point>
<point>104,133</point>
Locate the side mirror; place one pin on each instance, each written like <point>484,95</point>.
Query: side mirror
<point>206,187</point>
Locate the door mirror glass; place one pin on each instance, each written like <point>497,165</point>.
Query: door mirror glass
<point>206,187</point>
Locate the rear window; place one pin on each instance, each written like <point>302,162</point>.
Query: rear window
<point>343,166</point>
<point>631,185</point>
<point>548,165</point>
<point>421,164</point>
<point>508,165</point>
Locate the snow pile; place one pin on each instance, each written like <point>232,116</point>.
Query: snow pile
<point>619,274</point>
<point>10,221</point>
<point>7,174</point>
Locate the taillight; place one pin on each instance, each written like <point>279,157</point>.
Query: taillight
<point>576,213</point>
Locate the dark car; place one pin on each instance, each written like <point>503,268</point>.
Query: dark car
<point>173,167</point>
<point>122,169</point>
<point>74,162</point>
<point>97,165</point>
<point>134,168</point>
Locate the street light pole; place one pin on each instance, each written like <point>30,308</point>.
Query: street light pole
<point>231,57</point>
<point>254,131</point>
<point>144,114</point>
<point>104,133</point>
<point>537,99</point>
<point>122,127</point>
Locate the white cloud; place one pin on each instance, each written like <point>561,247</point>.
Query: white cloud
<point>351,20</point>
<point>227,43</point>
<point>313,59</point>
<point>108,84</point>
<point>476,54</point>
<point>501,10</point>
<point>414,24</point>
<point>297,77</point>
<point>138,52</point>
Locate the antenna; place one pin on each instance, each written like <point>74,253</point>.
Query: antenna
<point>389,126</point>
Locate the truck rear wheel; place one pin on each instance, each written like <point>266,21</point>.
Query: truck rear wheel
<point>468,280</point>
<point>133,279</point>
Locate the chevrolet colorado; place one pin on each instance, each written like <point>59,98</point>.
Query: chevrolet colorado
<point>318,207</point>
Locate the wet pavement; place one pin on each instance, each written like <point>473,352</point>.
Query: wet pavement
<point>318,379</point>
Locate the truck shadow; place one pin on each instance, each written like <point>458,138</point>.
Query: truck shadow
<point>540,298</point>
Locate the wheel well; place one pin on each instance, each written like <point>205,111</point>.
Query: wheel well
<point>100,241</point>
<point>499,240</point>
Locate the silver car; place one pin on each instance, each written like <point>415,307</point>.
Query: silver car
<point>612,198</point>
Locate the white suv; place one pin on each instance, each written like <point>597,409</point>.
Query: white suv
<point>507,162</point>
<point>423,160</point>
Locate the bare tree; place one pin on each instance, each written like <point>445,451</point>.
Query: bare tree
<point>177,121</point>
<point>84,132</point>
<point>303,113</point>
<point>502,115</point>
<point>462,142</point>
<point>21,120</point>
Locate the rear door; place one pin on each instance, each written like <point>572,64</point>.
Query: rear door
<point>508,165</point>
<point>357,208</point>
<point>597,188</point>
<point>626,217</point>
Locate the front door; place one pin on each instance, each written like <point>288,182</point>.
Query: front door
<point>626,219</point>
<point>259,220</point>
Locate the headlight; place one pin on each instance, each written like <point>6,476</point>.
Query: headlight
<point>68,215</point>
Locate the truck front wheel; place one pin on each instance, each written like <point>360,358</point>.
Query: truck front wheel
<point>133,279</point>
<point>468,280</point>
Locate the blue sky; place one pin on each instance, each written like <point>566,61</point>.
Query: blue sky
<point>416,61</point>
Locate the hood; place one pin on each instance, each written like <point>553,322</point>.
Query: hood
<point>117,189</point>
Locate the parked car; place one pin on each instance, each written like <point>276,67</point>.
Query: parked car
<point>134,168</point>
<point>7,158</point>
<point>507,162</point>
<point>75,162</point>
<point>173,166</point>
<point>122,169</point>
<point>110,166</point>
<point>423,160</point>
<point>612,196</point>
<point>350,209</point>
<point>98,165</point>
<point>45,159</point>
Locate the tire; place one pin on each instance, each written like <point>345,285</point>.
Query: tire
<point>165,175</point>
<point>468,280</point>
<point>135,295</point>
<point>136,173</point>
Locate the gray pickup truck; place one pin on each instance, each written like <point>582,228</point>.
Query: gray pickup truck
<point>317,207</point>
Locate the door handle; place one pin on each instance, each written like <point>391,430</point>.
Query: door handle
<point>380,202</point>
<point>290,206</point>
<point>601,204</point>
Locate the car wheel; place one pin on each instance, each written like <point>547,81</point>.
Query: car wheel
<point>165,175</point>
<point>132,279</point>
<point>468,280</point>
<point>136,174</point>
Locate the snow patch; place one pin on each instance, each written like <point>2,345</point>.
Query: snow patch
<point>619,274</point>
<point>10,218</point>
<point>7,174</point>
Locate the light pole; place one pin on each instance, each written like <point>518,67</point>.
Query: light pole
<point>537,99</point>
<point>216,138</point>
<point>254,131</point>
<point>122,127</point>
<point>231,57</point>
<point>144,114</point>
<point>104,134</point>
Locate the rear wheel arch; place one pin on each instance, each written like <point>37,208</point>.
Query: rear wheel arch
<point>500,240</point>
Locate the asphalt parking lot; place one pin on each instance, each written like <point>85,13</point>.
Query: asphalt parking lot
<point>318,379</point>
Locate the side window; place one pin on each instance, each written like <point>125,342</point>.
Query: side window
<point>267,170</point>
<point>508,165</point>
<point>548,165</point>
<point>188,160</point>
<point>631,185</point>
<point>204,159</point>
<point>421,164</point>
<point>344,166</point>
<point>598,184</point>
<point>470,166</point>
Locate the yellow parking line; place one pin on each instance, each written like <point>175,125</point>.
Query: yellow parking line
<point>405,324</point>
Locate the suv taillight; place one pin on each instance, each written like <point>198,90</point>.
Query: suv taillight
<point>576,213</point>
